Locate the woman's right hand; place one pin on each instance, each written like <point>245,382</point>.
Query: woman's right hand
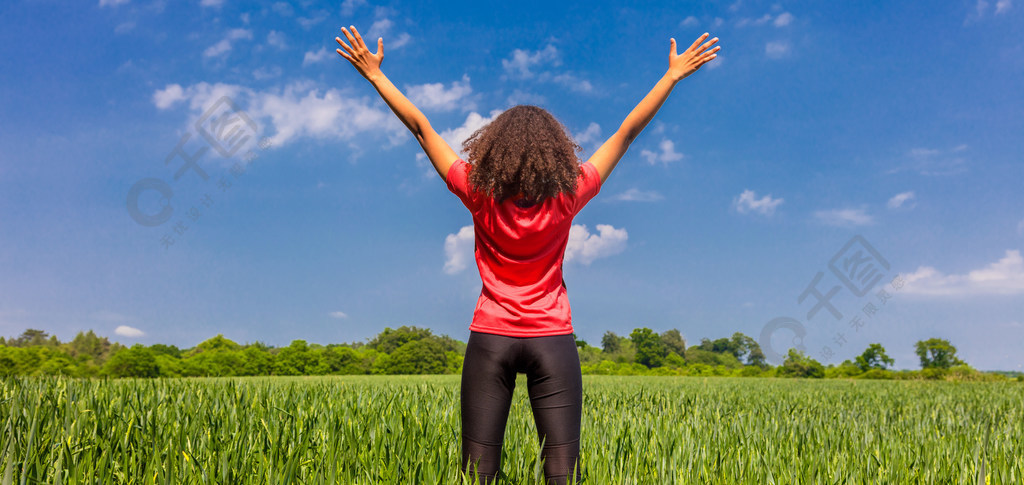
<point>682,65</point>
<point>366,62</point>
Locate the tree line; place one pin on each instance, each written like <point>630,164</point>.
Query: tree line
<point>414,350</point>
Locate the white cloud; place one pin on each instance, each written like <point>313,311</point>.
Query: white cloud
<point>784,19</point>
<point>298,110</point>
<point>777,49</point>
<point>168,96</point>
<point>923,152</point>
<point>124,27</point>
<point>211,3</point>
<point>474,121</point>
<point>935,161</point>
<point>666,154</point>
<point>283,8</point>
<point>378,28</point>
<point>537,65</point>
<point>690,21</point>
<point>402,40</point>
<point>590,135</point>
<point>745,21</point>
<point>981,9</point>
<point>301,111</point>
<point>266,72</point>
<point>844,217</point>
<point>427,169</point>
<point>382,28</point>
<point>458,250</point>
<point>435,96</point>
<point>224,45</point>
<point>637,195</point>
<point>315,57</point>
<point>277,39</point>
<point>901,198</point>
<point>522,62</point>
<point>748,202</point>
<point>584,247</point>
<point>112,3</point>
<point>338,315</point>
<point>349,6</point>
<point>1004,277</point>
<point>126,331</point>
<point>308,22</point>
<point>574,83</point>
<point>714,63</point>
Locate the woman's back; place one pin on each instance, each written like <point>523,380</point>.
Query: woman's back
<point>519,251</point>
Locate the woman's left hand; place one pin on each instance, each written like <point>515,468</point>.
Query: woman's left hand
<point>366,63</point>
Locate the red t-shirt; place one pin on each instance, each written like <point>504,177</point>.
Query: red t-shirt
<point>519,252</point>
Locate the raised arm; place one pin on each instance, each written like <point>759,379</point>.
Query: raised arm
<point>679,66</point>
<point>368,64</point>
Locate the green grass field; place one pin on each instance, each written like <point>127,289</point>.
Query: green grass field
<point>368,429</point>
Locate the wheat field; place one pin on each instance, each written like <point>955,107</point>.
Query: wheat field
<point>405,429</point>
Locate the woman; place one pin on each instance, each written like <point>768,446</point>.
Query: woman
<point>523,186</point>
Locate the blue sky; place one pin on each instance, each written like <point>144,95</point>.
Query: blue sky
<point>899,122</point>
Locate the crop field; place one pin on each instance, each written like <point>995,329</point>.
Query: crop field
<point>370,429</point>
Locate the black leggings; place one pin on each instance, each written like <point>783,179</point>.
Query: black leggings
<point>552,368</point>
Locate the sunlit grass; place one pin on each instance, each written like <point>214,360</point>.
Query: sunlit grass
<point>368,429</point>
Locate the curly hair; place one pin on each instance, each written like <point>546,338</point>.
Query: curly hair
<point>525,150</point>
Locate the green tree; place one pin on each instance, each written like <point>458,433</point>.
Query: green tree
<point>798,364</point>
<point>391,339</point>
<point>342,360</point>
<point>217,343</point>
<point>295,360</point>
<point>31,337</point>
<point>650,351</point>
<point>723,346</point>
<point>90,346</point>
<point>424,356</point>
<point>256,360</point>
<point>874,357</point>
<point>744,346</point>
<point>610,342</point>
<point>696,355</point>
<point>674,342</point>
<point>168,350</point>
<point>135,361</point>
<point>937,353</point>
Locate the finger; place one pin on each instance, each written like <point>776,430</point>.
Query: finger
<point>380,46</point>
<point>345,46</point>
<point>359,38</point>
<point>706,45</point>
<point>673,40</point>
<point>698,41</point>
<point>351,40</point>
<point>346,56</point>
<point>711,52</point>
